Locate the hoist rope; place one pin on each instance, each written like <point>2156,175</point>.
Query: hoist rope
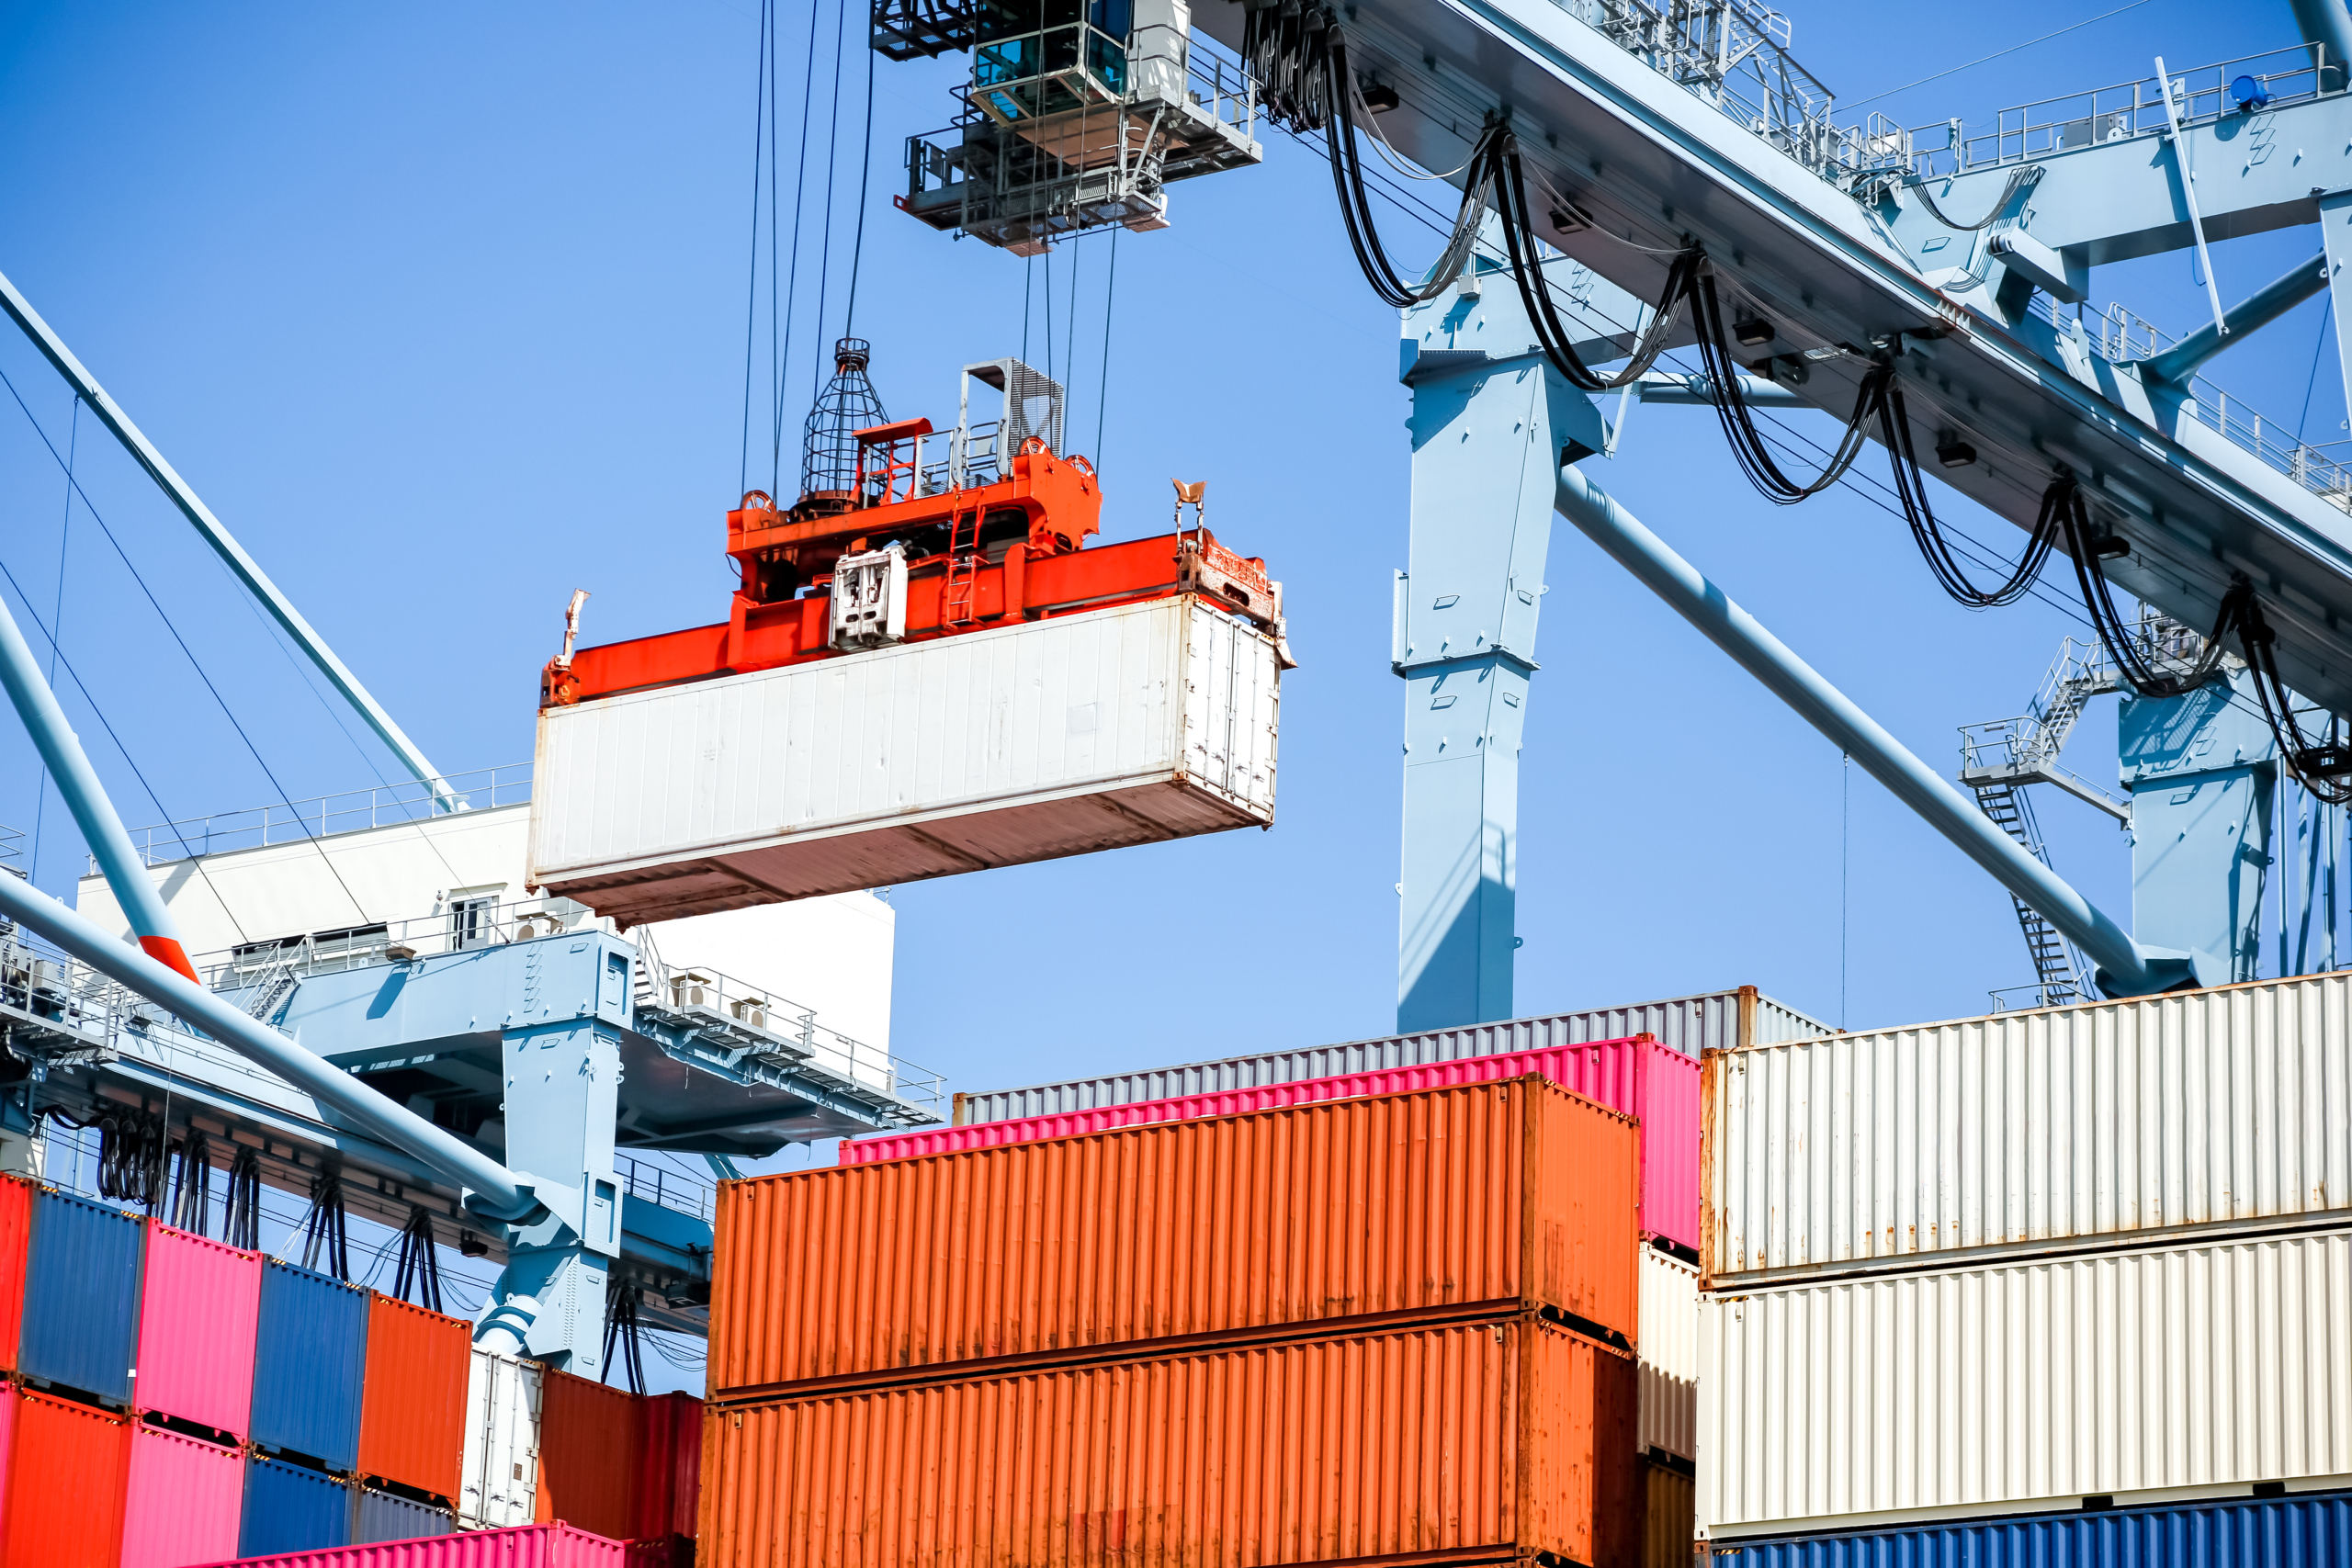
<point>1102,394</point>
<point>832,149</point>
<point>865,171</point>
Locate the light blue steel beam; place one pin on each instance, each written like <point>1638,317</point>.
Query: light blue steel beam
<point>492,1189</point>
<point>2202,770</point>
<point>2124,969</point>
<point>2261,307</point>
<point>61,750</point>
<point>247,571</point>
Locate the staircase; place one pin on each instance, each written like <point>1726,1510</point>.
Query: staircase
<point>2054,967</point>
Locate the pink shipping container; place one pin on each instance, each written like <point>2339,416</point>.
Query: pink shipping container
<point>183,1500</point>
<point>526,1546</point>
<point>1653,1083</point>
<point>199,1306</point>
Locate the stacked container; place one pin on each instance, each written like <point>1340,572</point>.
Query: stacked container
<point>1967,1278</point>
<point>1380,1327</point>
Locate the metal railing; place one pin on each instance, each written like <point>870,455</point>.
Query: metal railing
<point>351,812</point>
<point>462,926</point>
<point>667,1187</point>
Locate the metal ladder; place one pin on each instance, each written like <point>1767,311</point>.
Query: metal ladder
<point>2054,961</point>
<point>957,598</point>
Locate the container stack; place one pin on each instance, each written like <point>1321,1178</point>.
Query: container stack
<point>2037,1286</point>
<point>1385,1327</point>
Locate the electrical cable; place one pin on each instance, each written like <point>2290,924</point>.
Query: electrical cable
<point>1911,490</point>
<point>241,1203</point>
<point>419,1265</point>
<point>1732,411</point>
<point>2021,178</point>
<point>323,1240</point>
<point>2066,497</point>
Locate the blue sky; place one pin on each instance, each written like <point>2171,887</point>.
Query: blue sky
<point>442,311</point>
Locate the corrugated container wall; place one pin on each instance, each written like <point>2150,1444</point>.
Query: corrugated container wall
<point>1641,1077</point>
<point>307,1365</point>
<point>1669,1498</point>
<point>2283,1533</point>
<point>65,1485</point>
<point>413,1401</point>
<point>81,1325</point>
<point>531,1546</point>
<point>500,1484</point>
<point>290,1508</point>
<point>183,1500</point>
<point>1482,1442</point>
<point>1669,1346</point>
<point>591,1440</point>
<point>669,1486</point>
<point>7,1437</point>
<point>1689,1024</point>
<point>199,1304</point>
<point>15,1235</point>
<point>2017,1386</point>
<point>1493,1196</point>
<point>2030,1130</point>
<point>385,1516</point>
<point>1083,732</point>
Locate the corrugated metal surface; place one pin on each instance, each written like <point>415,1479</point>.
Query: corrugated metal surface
<point>65,1482</point>
<point>2284,1532</point>
<point>2019,1385</point>
<point>82,1296</point>
<point>183,1500</point>
<point>7,1437</point>
<point>15,1234</point>
<point>591,1438</point>
<point>199,1304</point>
<point>288,1508</point>
<point>1510,1436</point>
<point>1669,1498</point>
<point>385,1515</point>
<point>500,1484</point>
<point>531,1546</point>
<point>669,1486</point>
<point>412,1404</point>
<point>1669,1354</point>
<point>1024,742</point>
<point>1500,1195</point>
<point>2030,1130</point>
<point>308,1361</point>
<point>1639,1077</point>
<point>1689,1024</point>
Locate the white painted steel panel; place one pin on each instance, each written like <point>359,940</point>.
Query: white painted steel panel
<point>2017,1386</point>
<point>1669,1355</point>
<point>1026,742</point>
<point>1689,1024</point>
<point>2029,1130</point>
<point>499,1481</point>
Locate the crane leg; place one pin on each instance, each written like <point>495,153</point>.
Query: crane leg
<point>2203,771</point>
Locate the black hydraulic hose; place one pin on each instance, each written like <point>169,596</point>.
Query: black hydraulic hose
<point>1911,490</point>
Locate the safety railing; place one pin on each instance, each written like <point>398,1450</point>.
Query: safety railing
<point>667,1187</point>
<point>457,926</point>
<point>328,815</point>
<point>1047,72</point>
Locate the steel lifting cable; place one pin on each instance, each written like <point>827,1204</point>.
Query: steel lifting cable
<point>1911,490</point>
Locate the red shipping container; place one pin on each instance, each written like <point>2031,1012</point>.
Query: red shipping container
<point>182,1500</point>
<point>15,1234</point>
<point>526,1546</point>
<point>669,1484</point>
<point>412,1404</point>
<point>589,1437</point>
<point>1655,1084</point>
<point>8,1433</point>
<point>65,1482</point>
<point>200,1302</point>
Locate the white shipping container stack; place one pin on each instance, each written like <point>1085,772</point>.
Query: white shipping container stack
<point>2090,1257</point>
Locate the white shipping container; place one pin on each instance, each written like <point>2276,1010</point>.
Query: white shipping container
<point>1027,742</point>
<point>2138,1376</point>
<point>499,1481</point>
<point>2222,1111</point>
<point>1669,1355</point>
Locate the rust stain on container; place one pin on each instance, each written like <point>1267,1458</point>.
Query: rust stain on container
<point>1496,1197</point>
<point>1477,1443</point>
<point>412,1404</point>
<point>589,1439</point>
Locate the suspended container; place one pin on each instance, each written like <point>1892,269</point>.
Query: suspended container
<point>66,1464</point>
<point>2018,1387</point>
<point>308,1364</point>
<point>15,1237</point>
<point>183,1500</point>
<point>1488,1442</point>
<point>532,1546</point>
<point>1488,1197</point>
<point>1669,1356</point>
<point>200,1307</point>
<point>1657,1087</point>
<point>500,1478</point>
<point>591,1446</point>
<point>413,1401</point>
<point>2217,1111</point>
<point>81,1324</point>
<point>291,1507</point>
<point>385,1515</point>
<point>1059,737</point>
<point>2236,1532</point>
<point>669,1485</point>
<point>1687,1024</point>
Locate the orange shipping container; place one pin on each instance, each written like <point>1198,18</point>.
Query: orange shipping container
<point>1493,1197</point>
<point>67,1466</point>
<point>413,1402</point>
<point>15,1234</point>
<point>589,1445</point>
<point>1487,1442</point>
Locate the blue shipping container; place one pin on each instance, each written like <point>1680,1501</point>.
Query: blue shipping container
<point>82,1296</point>
<point>383,1516</point>
<point>2277,1532</point>
<point>307,1362</point>
<point>288,1508</point>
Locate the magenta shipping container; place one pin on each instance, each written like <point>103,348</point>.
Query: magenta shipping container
<point>182,1502</point>
<point>198,1306</point>
<point>1654,1084</point>
<point>529,1546</point>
